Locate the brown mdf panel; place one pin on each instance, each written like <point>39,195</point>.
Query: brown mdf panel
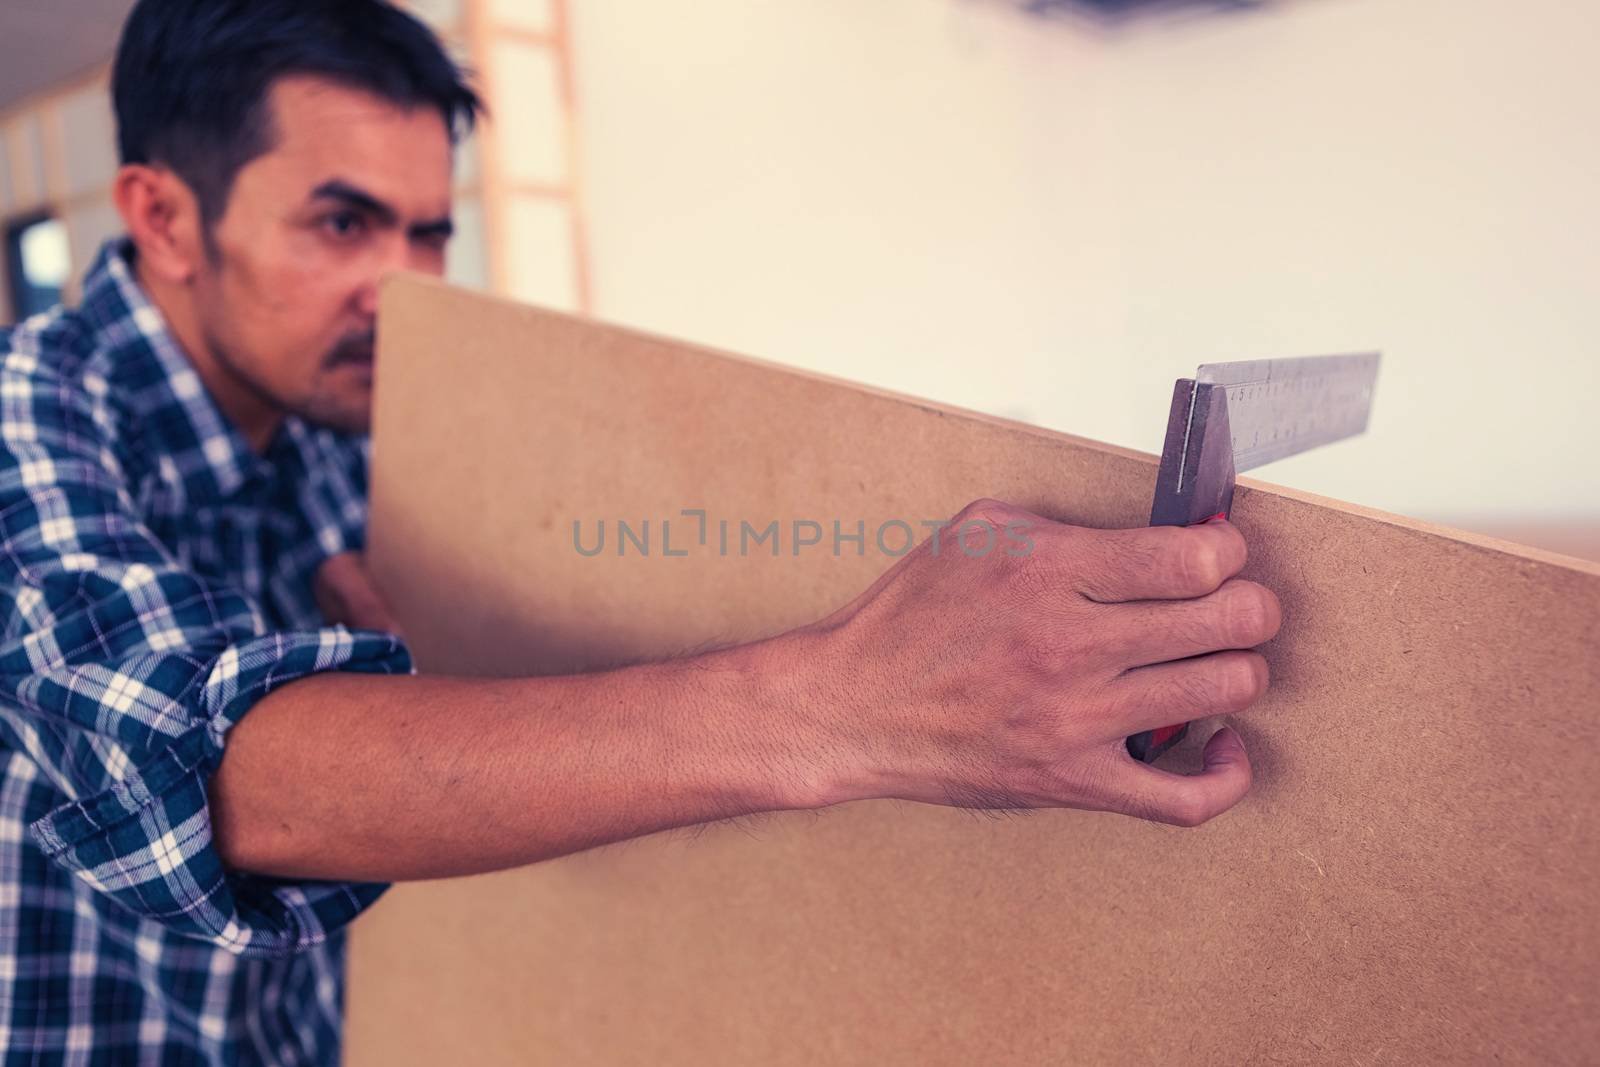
<point>1412,880</point>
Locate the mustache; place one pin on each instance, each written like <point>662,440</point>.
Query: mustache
<point>353,348</point>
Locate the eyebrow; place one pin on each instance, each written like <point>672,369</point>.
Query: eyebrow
<point>359,199</point>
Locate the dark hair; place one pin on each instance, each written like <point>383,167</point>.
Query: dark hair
<point>191,77</point>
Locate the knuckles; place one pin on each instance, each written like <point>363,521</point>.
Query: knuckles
<point>1225,683</point>
<point>1177,563</point>
<point>994,512</point>
<point>1250,614</point>
<point>1186,807</point>
<point>1219,684</point>
<point>1241,681</point>
<point>1204,558</point>
<point>1187,810</point>
<point>1199,564</point>
<point>1241,614</point>
<point>1199,689</point>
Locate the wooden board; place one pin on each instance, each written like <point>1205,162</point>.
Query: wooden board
<point>1412,879</point>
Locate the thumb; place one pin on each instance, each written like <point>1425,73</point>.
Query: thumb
<point>1225,750</point>
<point>1189,800</point>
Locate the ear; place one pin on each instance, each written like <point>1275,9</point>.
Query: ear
<point>162,216</point>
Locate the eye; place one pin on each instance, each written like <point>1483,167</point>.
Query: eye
<point>433,241</point>
<point>344,224</point>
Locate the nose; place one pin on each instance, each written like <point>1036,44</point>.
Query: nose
<point>396,255</point>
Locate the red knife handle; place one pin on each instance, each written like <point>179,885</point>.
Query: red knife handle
<point>1146,746</point>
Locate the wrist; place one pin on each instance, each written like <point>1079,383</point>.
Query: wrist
<point>810,683</point>
<point>790,707</point>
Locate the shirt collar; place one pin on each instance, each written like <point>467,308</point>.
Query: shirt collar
<point>171,403</point>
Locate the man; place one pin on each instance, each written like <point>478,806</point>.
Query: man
<point>208,775</point>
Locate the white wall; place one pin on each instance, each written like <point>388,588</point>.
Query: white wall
<point>1044,219</point>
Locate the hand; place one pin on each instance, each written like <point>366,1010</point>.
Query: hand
<point>345,593</point>
<point>1012,681</point>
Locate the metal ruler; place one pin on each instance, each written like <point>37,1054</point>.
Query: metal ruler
<point>1233,417</point>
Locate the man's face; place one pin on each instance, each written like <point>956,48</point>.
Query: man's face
<point>353,187</point>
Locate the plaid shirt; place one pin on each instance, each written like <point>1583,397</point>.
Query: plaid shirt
<point>156,584</point>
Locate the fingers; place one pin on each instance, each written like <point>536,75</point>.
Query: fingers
<point>1220,684</point>
<point>346,595</point>
<point>1240,614</point>
<point>1158,562</point>
<point>1188,800</point>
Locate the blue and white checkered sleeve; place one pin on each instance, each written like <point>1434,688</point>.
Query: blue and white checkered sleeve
<point>121,673</point>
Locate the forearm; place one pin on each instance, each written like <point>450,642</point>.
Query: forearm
<point>349,776</point>
<point>987,681</point>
